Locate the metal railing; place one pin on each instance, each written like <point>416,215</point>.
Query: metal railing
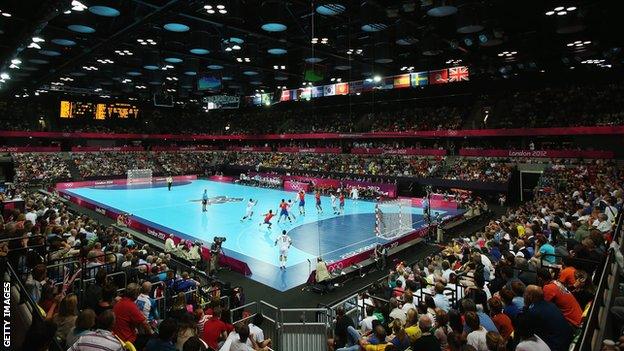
<point>26,301</point>
<point>594,328</point>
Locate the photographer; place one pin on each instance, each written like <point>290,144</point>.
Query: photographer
<point>215,253</point>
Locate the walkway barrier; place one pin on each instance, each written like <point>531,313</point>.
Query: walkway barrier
<point>270,325</point>
<point>24,309</point>
<point>303,329</point>
<point>598,321</point>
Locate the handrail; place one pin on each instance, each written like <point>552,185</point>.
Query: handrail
<point>34,307</point>
<point>592,322</point>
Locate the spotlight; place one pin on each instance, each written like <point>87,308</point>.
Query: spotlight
<point>377,79</point>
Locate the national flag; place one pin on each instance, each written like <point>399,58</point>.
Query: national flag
<point>317,92</point>
<point>356,87</point>
<point>458,74</point>
<point>342,89</point>
<point>402,81</point>
<point>285,95</point>
<point>439,77</point>
<point>329,90</point>
<point>305,93</point>
<point>387,83</point>
<point>368,85</point>
<point>266,99</point>
<point>419,79</point>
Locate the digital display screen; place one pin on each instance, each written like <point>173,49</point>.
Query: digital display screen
<point>89,110</point>
<point>210,83</point>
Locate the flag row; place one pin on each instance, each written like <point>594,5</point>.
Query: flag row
<point>407,80</point>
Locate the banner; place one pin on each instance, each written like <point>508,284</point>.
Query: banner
<point>329,90</point>
<point>537,153</point>
<point>380,151</point>
<point>184,148</point>
<point>458,74</point>
<point>597,130</point>
<point>293,185</point>
<point>250,148</point>
<point>221,179</point>
<point>402,81</point>
<point>285,95</point>
<point>104,183</point>
<point>356,87</point>
<point>342,89</point>
<point>438,77</point>
<point>30,148</point>
<point>386,189</point>
<point>317,92</point>
<point>313,150</point>
<point>419,79</point>
<point>106,148</point>
<point>435,203</point>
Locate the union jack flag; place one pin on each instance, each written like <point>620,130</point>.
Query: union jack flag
<point>458,74</point>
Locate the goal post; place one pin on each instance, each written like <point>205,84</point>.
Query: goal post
<point>393,218</point>
<point>139,176</point>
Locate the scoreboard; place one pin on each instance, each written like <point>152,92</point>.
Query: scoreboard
<point>89,110</point>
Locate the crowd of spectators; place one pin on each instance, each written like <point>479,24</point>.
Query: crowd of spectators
<point>573,105</point>
<point>482,169</point>
<point>37,167</point>
<point>32,167</point>
<point>577,105</point>
<point>521,283</point>
<point>52,246</point>
<point>98,164</point>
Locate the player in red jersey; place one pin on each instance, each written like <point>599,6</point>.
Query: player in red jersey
<point>317,197</point>
<point>267,218</point>
<point>283,211</point>
<point>302,202</point>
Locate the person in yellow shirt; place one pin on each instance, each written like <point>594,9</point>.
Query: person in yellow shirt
<point>521,231</point>
<point>411,325</point>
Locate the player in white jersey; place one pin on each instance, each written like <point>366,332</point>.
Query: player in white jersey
<point>333,203</point>
<point>290,210</point>
<point>355,193</point>
<point>249,209</point>
<point>284,242</point>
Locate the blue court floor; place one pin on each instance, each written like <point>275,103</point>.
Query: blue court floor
<point>179,211</point>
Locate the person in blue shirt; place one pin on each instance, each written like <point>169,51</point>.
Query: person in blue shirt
<point>468,305</point>
<point>441,300</point>
<point>545,251</point>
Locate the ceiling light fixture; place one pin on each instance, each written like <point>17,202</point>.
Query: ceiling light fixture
<point>560,10</point>
<point>124,52</point>
<point>78,6</point>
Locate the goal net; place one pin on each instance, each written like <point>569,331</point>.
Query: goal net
<point>139,176</point>
<point>393,218</point>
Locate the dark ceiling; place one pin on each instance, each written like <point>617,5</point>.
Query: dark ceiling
<point>80,51</point>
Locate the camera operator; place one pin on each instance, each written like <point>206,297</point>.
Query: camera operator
<point>379,256</point>
<point>215,253</point>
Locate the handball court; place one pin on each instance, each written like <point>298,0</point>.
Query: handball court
<point>179,211</point>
